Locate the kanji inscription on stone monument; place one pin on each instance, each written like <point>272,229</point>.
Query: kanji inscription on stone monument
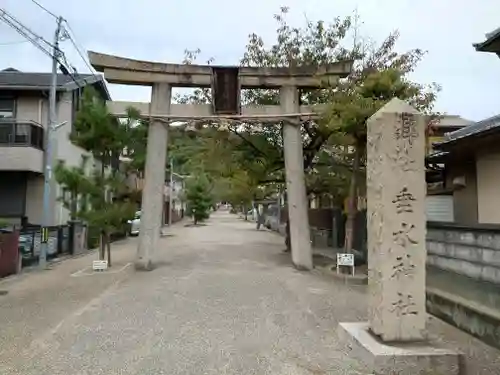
<point>396,222</point>
<point>404,201</point>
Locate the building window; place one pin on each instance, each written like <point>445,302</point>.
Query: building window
<point>22,133</point>
<point>7,108</point>
<point>37,137</point>
<point>6,132</point>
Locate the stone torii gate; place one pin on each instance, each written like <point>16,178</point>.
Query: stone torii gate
<point>226,83</point>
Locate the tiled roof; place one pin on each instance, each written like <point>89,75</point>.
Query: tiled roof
<point>453,121</point>
<point>494,34</point>
<point>474,129</point>
<point>490,38</point>
<point>14,79</point>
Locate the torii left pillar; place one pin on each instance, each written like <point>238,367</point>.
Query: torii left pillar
<point>300,239</point>
<point>152,193</point>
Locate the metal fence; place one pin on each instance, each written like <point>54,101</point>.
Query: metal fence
<point>30,242</point>
<point>327,227</point>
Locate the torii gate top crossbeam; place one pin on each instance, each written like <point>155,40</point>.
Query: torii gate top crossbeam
<point>122,70</point>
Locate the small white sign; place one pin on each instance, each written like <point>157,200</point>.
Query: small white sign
<point>345,260</point>
<point>100,265</point>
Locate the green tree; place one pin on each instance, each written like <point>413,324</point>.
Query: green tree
<point>198,198</point>
<point>376,79</point>
<point>134,136</point>
<point>97,131</point>
<point>380,73</point>
<point>93,194</point>
<point>72,180</point>
<point>87,202</point>
<point>106,211</point>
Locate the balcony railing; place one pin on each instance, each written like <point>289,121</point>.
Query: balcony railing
<point>21,133</point>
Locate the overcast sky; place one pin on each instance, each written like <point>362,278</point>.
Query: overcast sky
<point>161,30</point>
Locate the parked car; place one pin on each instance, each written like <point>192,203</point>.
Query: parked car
<point>135,224</point>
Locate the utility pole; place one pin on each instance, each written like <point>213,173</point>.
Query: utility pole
<point>46,221</point>
<point>170,192</point>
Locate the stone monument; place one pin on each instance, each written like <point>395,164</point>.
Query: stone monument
<point>394,340</point>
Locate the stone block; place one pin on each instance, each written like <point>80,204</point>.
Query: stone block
<point>487,240</point>
<point>495,241</point>
<point>432,260</point>
<point>491,257</point>
<point>491,274</point>
<point>469,269</point>
<point>422,358</point>
<point>436,235</point>
<point>437,248</point>
<point>467,238</point>
<point>466,252</point>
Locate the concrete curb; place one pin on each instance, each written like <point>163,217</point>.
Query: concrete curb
<point>349,279</point>
<point>475,319</point>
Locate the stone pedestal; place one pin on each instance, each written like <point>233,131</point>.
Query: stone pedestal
<point>396,225</point>
<point>422,358</point>
<point>152,193</point>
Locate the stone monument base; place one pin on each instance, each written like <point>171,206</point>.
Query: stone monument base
<point>402,359</point>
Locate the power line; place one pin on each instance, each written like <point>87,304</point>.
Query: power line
<point>14,43</point>
<point>32,37</point>
<point>37,41</point>
<point>72,38</point>
<point>67,35</point>
<point>45,9</point>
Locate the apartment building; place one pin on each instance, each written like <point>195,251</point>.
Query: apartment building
<point>24,105</point>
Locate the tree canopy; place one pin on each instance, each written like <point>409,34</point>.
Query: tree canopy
<point>333,147</point>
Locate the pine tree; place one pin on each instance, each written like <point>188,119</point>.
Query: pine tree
<point>198,198</point>
<point>72,181</point>
<point>93,195</point>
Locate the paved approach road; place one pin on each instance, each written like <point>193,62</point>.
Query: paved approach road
<point>224,299</point>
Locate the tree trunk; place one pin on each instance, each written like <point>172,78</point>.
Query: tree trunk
<point>74,205</point>
<point>246,212</point>
<point>259,216</point>
<point>101,246</point>
<point>352,199</point>
<point>288,239</point>
<point>102,164</point>
<point>108,248</point>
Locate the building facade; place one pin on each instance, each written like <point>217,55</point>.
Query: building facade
<point>472,171</point>
<point>468,161</point>
<point>174,188</point>
<point>24,109</point>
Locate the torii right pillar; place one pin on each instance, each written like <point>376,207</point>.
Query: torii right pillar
<point>295,181</point>
<point>395,341</point>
